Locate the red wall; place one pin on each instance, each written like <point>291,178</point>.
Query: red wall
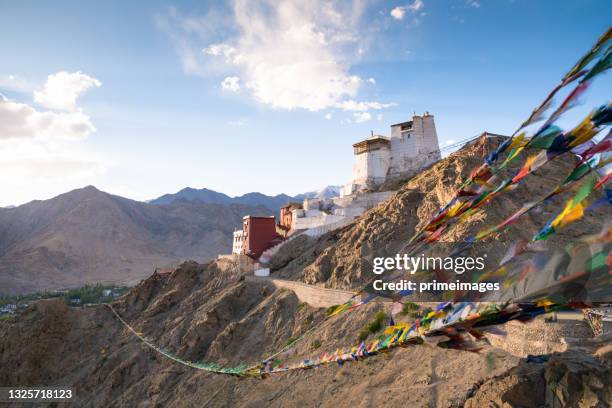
<point>259,234</point>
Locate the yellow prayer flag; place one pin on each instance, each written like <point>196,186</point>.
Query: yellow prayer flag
<point>513,155</point>
<point>559,218</point>
<point>517,141</point>
<point>583,132</point>
<point>454,209</point>
<point>573,215</point>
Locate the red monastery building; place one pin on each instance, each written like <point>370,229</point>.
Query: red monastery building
<point>257,235</point>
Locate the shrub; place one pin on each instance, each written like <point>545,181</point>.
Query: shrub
<point>363,335</point>
<point>374,326</point>
<point>491,363</point>
<point>316,344</point>
<point>409,308</point>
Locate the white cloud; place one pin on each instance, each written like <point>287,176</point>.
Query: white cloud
<point>15,83</point>
<point>351,105</point>
<point>328,115</point>
<point>372,81</point>
<point>231,84</point>
<point>379,117</point>
<point>474,3</point>
<point>416,6</point>
<point>226,51</point>
<point>63,88</point>
<point>38,146</point>
<point>188,33</point>
<point>399,12</point>
<point>42,169</point>
<point>21,121</point>
<point>361,117</point>
<point>219,49</point>
<point>289,55</point>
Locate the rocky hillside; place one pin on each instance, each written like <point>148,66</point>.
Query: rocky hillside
<point>580,377</point>
<point>87,236</point>
<point>343,258</point>
<point>212,313</point>
<point>207,313</point>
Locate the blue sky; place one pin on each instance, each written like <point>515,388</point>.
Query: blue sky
<point>145,98</point>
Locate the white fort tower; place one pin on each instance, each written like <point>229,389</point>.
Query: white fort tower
<point>412,146</point>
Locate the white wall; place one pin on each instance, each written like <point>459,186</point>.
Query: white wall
<point>349,212</point>
<point>311,204</point>
<point>315,296</point>
<point>430,138</point>
<point>312,222</point>
<point>371,167</point>
<point>360,169</point>
<point>323,229</point>
<point>366,201</point>
<point>420,149</point>
<point>263,272</point>
<point>237,242</point>
<point>313,213</point>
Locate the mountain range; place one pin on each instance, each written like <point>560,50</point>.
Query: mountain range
<point>205,195</point>
<point>86,235</point>
<point>213,197</point>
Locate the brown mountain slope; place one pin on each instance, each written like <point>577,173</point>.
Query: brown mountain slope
<point>343,258</point>
<point>201,315</point>
<point>87,236</point>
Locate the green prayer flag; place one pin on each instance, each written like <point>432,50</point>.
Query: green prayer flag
<point>602,65</point>
<point>585,189</point>
<point>578,172</point>
<point>599,260</point>
<point>545,139</point>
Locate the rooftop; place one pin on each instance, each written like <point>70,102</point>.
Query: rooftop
<point>372,139</point>
<point>292,205</point>
<point>409,122</point>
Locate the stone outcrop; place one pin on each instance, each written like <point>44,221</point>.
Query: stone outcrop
<point>579,378</point>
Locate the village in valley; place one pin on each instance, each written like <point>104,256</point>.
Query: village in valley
<point>87,295</point>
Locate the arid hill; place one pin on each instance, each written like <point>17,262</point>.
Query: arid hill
<point>203,313</point>
<point>343,258</point>
<point>88,236</point>
<point>210,313</point>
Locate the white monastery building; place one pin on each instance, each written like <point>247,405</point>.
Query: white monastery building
<point>412,146</point>
<point>237,242</point>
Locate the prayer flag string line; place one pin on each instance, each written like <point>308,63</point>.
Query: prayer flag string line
<point>455,321</point>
